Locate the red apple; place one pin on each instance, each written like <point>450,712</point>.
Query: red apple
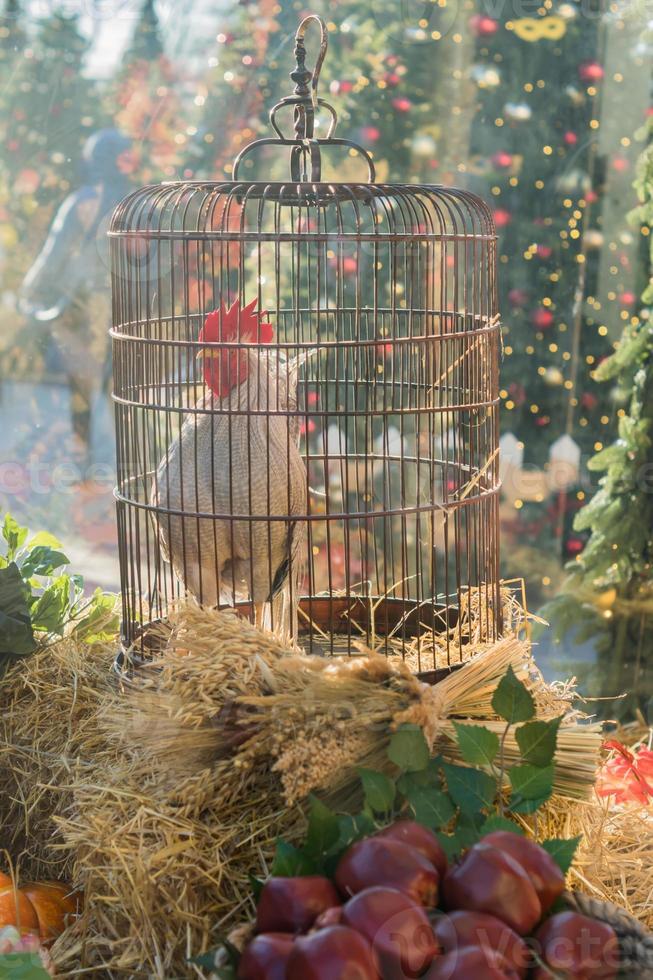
<point>577,947</point>
<point>460,929</point>
<point>489,880</point>
<point>419,837</point>
<point>397,928</point>
<point>293,904</point>
<point>547,878</point>
<point>380,861</point>
<point>330,917</point>
<point>471,963</point>
<point>266,957</point>
<point>335,953</point>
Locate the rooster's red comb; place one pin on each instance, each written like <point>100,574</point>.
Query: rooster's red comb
<point>237,324</point>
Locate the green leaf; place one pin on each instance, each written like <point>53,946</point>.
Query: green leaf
<point>42,561</point>
<point>431,807</point>
<point>13,534</point>
<point>22,966</point>
<point>537,741</point>
<point>49,612</point>
<point>519,804</point>
<point>562,850</point>
<point>16,634</point>
<point>379,790</point>
<point>454,844</point>
<point>478,745</point>
<point>46,539</point>
<point>101,620</point>
<point>512,700</point>
<point>323,829</point>
<point>497,822</point>
<point>256,884</point>
<point>470,789</point>
<point>532,782</point>
<point>209,961</point>
<point>408,749</point>
<point>289,862</point>
<point>352,828</point>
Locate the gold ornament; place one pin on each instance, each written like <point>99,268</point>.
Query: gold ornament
<point>540,28</point>
<point>606,600</point>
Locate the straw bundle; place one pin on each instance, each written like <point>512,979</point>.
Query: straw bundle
<point>315,720</point>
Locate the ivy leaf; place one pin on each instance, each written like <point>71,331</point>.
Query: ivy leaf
<point>16,634</point>
<point>497,822</point>
<point>13,534</point>
<point>408,749</point>
<point>431,807</point>
<point>42,560</point>
<point>532,782</point>
<point>537,741</point>
<point>512,700</point>
<point>379,790</point>
<point>478,745</point>
<point>562,851</point>
<point>470,789</point>
<point>290,862</point>
<point>323,829</point>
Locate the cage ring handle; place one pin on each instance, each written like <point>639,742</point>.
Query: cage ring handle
<point>310,146</point>
<point>305,102</point>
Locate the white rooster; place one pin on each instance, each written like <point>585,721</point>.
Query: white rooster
<point>237,457</point>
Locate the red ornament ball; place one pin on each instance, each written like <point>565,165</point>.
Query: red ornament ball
<point>371,133</point>
<point>591,197</point>
<point>574,546</point>
<point>402,104</point>
<point>588,400</point>
<point>542,318</point>
<point>543,251</point>
<point>502,218</point>
<point>620,164</point>
<point>627,298</point>
<point>483,26</point>
<point>517,297</point>
<point>570,138</point>
<point>591,71</point>
<point>502,160</point>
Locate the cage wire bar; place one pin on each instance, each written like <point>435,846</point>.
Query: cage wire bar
<point>340,480</point>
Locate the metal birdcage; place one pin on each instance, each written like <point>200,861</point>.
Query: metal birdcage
<point>306,396</point>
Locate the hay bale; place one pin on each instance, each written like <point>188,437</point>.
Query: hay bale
<point>614,862</point>
<point>48,718</point>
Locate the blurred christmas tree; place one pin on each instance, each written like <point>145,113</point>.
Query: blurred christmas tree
<point>47,111</point>
<point>609,596</point>
<point>147,91</point>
